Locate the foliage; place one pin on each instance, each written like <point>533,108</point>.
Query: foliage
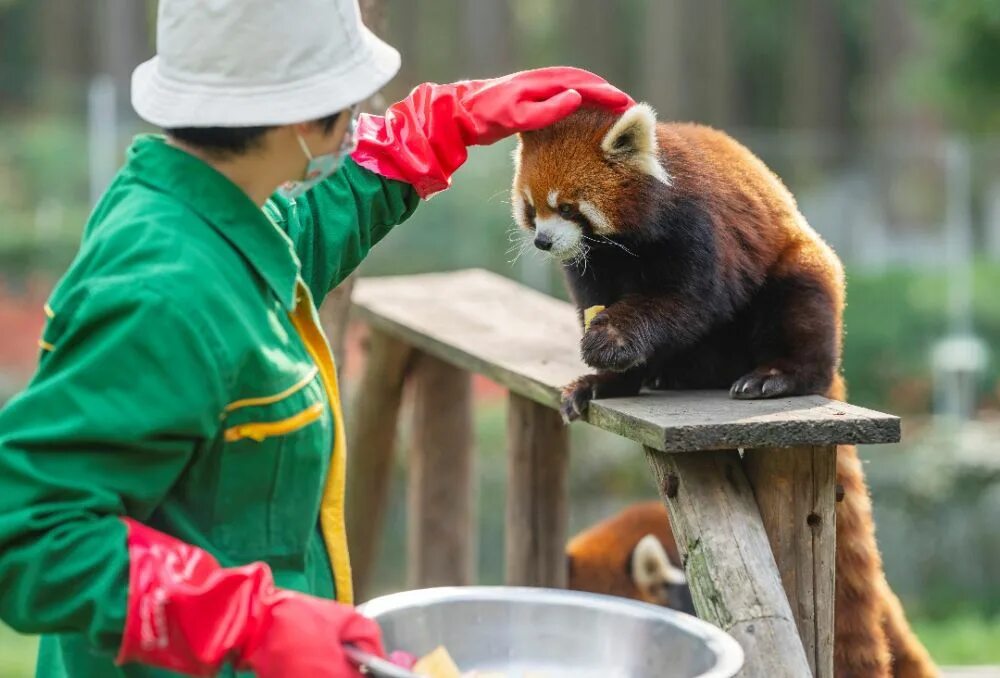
<point>892,320</point>
<point>959,70</point>
<point>962,639</point>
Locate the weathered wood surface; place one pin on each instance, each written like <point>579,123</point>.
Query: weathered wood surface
<point>371,435</point>
<point>732,574</point>
<point>528,342</point>
<point>537,495</point>
<point>441,479</point>
<point>795,491</point>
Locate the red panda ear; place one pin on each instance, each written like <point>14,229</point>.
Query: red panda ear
<point>632,139</point>
<point>651,566</point>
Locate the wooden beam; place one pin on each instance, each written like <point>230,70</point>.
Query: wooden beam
<point>371,435</point>
<point>537,496</point>
<point>440,536</point>
<point>733,576</point>
<point>796,492</point>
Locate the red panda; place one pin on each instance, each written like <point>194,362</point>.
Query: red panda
<point>710,278</point>
<point>633,555</point>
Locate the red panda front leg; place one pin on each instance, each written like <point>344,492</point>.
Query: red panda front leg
<point>798,341</point>
<point>631,331</point>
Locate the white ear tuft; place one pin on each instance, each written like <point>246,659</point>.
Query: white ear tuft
<point>633,139</point>
<point>651,567</point>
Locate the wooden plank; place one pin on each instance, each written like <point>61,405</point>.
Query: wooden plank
<point>679,421</point>
<point>537,495</point>
<point>796,493</point>
<point>371,433</point>
<point>520,338</point>
<point>733,576</point>
<point>529,343</point>
<point>440,536</point>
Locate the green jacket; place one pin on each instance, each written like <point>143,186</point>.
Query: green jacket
<point>183,381</point>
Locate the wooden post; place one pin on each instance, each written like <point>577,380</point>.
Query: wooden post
<point>537,499</point>
<point>440,546</point>
<point>733,576</point>
<point>371,436</point>
<point>795,490</point>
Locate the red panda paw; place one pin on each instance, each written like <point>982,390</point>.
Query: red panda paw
<point>764,382</point>
<point>576,397</point>
<point>605,346</point>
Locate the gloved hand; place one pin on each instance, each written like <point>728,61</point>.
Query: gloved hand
<point>188,614</point>
<point>422,139</point>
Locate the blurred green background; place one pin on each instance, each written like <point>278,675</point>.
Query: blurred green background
<point>882,116</point>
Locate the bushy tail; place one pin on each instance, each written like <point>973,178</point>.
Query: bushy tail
<point>871,636</point>
<point>861,649</point>
<point>909,657</point>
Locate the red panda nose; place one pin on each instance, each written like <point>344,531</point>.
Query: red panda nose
<point>543,241</point>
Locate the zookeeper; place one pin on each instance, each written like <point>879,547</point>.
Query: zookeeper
<point>172,478</point>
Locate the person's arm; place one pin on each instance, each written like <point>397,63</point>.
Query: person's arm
<point>128,390</point>
<point>412,152</point>
<point>334,225</point>
<point>113,415</point>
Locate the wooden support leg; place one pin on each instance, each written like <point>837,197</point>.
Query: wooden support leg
<point>733,576</point>
<point>440,535</point>
<point>537,464</point>
<point>371,436</point>
<point>795,490</point>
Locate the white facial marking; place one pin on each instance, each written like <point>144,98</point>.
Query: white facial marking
<point>517,208</point>
<point>553,199</point>
<point>596,217</point>
<point>565,236</point>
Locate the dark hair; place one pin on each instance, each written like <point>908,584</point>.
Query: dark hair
<point>233,140</point>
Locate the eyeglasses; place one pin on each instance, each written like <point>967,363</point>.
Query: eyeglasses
<point>350,141</point>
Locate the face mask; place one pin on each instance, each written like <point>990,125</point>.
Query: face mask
<point>321,166</point>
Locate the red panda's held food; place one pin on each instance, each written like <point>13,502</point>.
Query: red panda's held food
<point>589,313</point>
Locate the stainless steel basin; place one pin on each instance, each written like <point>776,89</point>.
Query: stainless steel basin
<point>546,633</point>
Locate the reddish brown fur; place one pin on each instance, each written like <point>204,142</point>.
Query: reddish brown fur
<point>598,558</point>
<point>723,246</point>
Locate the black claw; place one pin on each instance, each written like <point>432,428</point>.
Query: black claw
<point>575,402</point>
<point>756,385</point>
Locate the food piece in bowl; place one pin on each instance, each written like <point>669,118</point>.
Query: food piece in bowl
<point>437,664</point>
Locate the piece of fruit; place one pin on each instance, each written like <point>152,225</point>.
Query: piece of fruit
<point>589,314</point>
<point>437,664</point>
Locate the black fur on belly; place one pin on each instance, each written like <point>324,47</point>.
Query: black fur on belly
<point>676,319</point>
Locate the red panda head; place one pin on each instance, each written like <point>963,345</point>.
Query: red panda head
<point>586,178</point>
<point>630,554</point>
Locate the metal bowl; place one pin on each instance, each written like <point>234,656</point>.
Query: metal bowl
<point>547,633</point>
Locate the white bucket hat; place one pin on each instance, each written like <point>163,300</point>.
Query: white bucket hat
<point>246,63</point>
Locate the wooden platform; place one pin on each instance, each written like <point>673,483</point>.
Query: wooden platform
<point>756,529</point>
<point>528,342</point>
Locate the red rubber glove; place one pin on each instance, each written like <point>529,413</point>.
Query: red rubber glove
<point>188,614</point>
<point>422,139</point>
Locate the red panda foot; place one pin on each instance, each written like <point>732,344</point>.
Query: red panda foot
<point>764,382</point>
<point>576,397</point>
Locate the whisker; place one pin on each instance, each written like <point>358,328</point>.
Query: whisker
<point>618,244</point>
<point>500,192</point>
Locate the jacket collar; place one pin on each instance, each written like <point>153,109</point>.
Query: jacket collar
<point>223,205</point>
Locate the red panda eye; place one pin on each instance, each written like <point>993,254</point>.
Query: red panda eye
<point>565,208</point>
